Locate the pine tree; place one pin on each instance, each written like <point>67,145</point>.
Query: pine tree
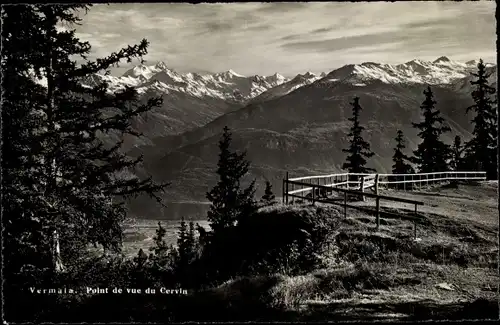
<point>141,258</point>
<point>182,246</point>
<point>268,197</point>
<point>399,158</point>
<point>160,250</point>
<point>432,154</point>
<point>230,203</point>
<point>186,243</point>
<point>359,149</point>
<point>481,150</point>
<point>191,241</point>
<point>456,162</point>
<point>58,176</point>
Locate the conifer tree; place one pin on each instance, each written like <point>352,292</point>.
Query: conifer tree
<point>230,203</point>
<point>58,176</point>
<point>191,240</point>
<point>160,250</point>
<point>359,149</point>
<point>186,241</point>
<point>268,197</point>
<point>456,162</point>
<point>481,150</point>
<point>399,158</point>
<point>432,154</point>
<point>182,241</point>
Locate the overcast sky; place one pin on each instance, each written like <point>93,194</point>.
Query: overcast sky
<point>292,38</point>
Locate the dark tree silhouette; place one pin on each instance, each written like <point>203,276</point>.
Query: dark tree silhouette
<point>186,243</point>
<point>268,197</point>
<point>481,150</point>
<point>432,154</point>
<point>359,149</point>
<point>58,176</point>
<point>399,158</point>
<point>160,249</point>
<point>456,162</point>
<point>230,203</point>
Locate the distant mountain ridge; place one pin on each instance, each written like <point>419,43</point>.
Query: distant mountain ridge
<point>438,72</point>
<point>228,85</point>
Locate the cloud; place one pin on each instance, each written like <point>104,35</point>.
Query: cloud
<point>321,30</point>
<point>341,43</point>
<point>291,38</point>
<point>281,7</point>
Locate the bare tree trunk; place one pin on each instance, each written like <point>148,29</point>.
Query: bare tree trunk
<point>51,163</point>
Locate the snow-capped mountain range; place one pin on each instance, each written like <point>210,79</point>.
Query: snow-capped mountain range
<point>234,87</point>
<point>438,72</point>
<point>227,85</point>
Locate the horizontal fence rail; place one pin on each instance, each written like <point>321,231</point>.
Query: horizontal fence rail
<point>355,180</point>
<point>318,188</point>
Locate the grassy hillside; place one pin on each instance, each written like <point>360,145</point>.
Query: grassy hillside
<point>449,272</point>
<point>309,263</point>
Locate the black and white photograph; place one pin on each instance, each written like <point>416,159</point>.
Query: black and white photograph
<point>249,162</point>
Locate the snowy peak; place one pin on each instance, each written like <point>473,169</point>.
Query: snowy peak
<point>229,74</point>
<point>287,87</point>
<point>159,78</point>
<point>277,78</point>
<point>305,77</point>
<point>440,71</point>
<point>161,66</point>
<point>441,59</point>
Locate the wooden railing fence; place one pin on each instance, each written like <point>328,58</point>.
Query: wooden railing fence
<point>318,188</point>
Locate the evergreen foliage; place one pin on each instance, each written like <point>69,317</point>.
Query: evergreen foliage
<point>399,158</point>
<point>432,153</point>
<point>481,150</point>
<point>268,197</point>
<point>58,176</point>
<point>456,162</point>
<point>359,149</point>
<point>230,203</point>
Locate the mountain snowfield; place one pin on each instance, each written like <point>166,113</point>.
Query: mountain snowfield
<point>234,87</point>
<point>287,87</point>
<point>228,85</point>
<point>439,72</point>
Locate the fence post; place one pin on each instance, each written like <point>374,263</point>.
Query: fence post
<point>377,216</point>
<point>286,193</point>
<point>283,192</point>
<point>313,194</point>
<point>345,204</point>
<point>404,182</point>
<point>362,188</point>
<point>415,223</point>
<point>376,183</point>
